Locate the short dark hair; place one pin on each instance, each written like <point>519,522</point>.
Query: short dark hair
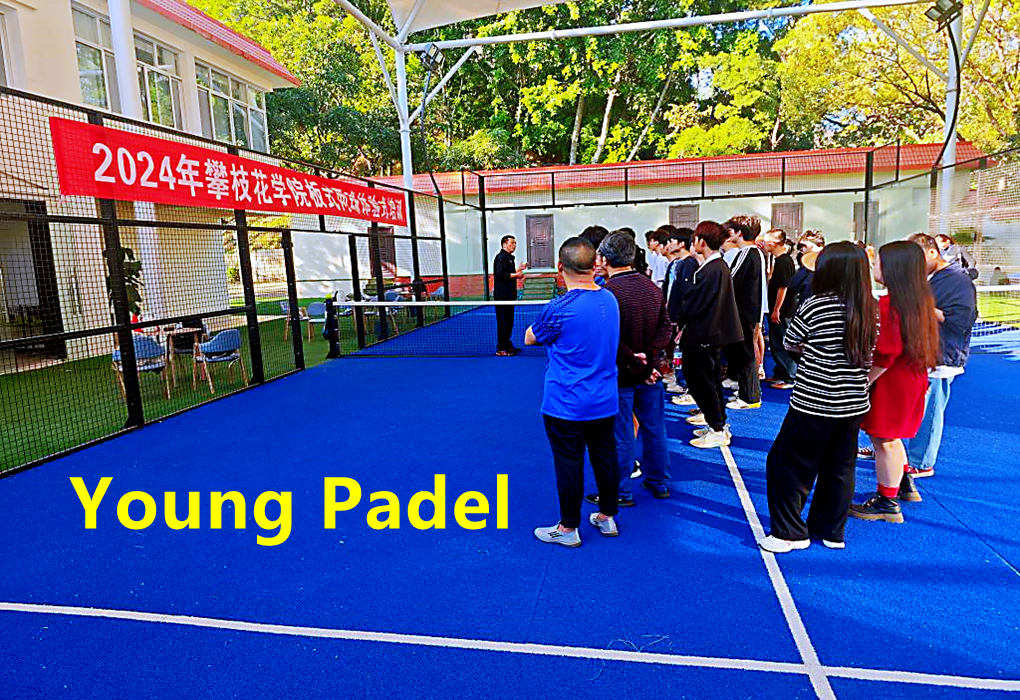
<point>594,235</point>
<point>659,235</point>
<point>742,225</point>
<point>504,239</point>
<point>783,238</point>
<point>627,231</point>
<point>577,255</point>
<point>618,249</point>
<point>683,236</point>
<point>925,241</point>
<point>712,233</point>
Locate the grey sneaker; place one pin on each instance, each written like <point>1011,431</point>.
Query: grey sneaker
<point>552,535</point>
<point>607,528</point>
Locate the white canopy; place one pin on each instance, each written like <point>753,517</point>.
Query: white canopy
<point>437,13</point>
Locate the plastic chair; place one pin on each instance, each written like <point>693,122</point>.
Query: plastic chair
<point>316,314</point>
<point>150,356</point>
<point>225,346</point>
<point>285,309</point>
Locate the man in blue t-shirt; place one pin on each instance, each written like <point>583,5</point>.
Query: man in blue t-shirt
<point>581,331</point>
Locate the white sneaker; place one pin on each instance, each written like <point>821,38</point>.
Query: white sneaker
<point>738,404</point>
<point>553,535</point>
<point>607,527</point>
<point>696,419</point>
<point>713,438</point>
<point>834,545</point>
<point>674,388</point>
<point>683,400</point>
<point>729,384</point>
<point>699,432</point>
<point>777,546</point>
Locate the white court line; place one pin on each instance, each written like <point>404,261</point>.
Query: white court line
<point>819,681</point>
<point>513,647</point>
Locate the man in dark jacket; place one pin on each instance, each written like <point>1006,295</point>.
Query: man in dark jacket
<point>748,273</point>
<point>504,288</point>
<point>640,362</point>
<point>956,308</point>
<point>709,322</point>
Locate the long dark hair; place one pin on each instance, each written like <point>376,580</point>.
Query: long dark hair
<point>842,271</point>
<point>903,272</point>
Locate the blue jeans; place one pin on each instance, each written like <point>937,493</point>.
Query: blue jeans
<point>785,365</point>
<point>647,402</point>
<point>923,448</point>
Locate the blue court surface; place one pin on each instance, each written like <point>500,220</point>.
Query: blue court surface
<point>682,604</point>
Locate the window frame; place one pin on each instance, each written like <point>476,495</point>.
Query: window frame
<point>110,87</point>
<point>255,102</point>
<point>5,78</point>
<point>144,70</point>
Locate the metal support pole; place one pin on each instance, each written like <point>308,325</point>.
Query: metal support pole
<point>552,187</point>
<point>293,315</point>
<point>359,312</point>
<point>412,225</point>
<point>406,157</point>
<point>782,177</point>
<point>703,190</point>
<point>443,255</point>
<point>869,180</point>
<point>626,183</point>
<point>485,237</point>
<point>949,157</point>
<point>121,314</point>
<point>258,374</point>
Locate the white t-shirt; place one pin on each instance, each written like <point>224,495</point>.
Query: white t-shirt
<point>657,265</point>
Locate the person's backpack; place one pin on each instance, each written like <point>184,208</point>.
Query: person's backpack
<point>640,261</point>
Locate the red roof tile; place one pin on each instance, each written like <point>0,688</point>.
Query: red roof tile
<point>187,16</point>
<point>715,169</point>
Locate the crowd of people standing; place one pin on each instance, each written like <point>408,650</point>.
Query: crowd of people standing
<point>703,301</point>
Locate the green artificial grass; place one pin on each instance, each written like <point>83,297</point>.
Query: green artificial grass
<point>52,409</point>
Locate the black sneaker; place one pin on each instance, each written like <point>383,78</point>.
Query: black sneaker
<point>658,490</point>
<point>622,501</point>
<point>878,507</point>
<point>908,491</point>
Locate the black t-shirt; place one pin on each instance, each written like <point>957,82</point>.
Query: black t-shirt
<point>782,272</point>
<point>504,287</point>
<point>798,292</point>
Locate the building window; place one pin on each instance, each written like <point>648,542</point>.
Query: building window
<point>96,71</point>
<point>231,110</point>
<point>4,80</point>
<point>159,82</point>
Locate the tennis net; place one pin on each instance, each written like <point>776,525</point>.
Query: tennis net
<point>998,324</point>
<point>431,328</point>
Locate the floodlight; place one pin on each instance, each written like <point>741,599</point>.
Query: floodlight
<point>432,58</point>
<point>943,12</point>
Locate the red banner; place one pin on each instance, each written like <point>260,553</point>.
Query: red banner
<point>112,164</point>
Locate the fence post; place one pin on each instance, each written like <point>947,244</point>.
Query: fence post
<point>782,177</point>
<point>359,312</point>
<point>258,375</point>
<point>626,183</point>
<point>443,256</point>
<point>485,238</point>
<point>703,178</point>
<point>375,254</point>
<point>119,299</point>
<point>869,179</point>
<point>412,227</point>
<point>552,188</point>
<point>293,316</point>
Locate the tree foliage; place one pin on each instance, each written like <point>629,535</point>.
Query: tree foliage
<point>826,79</point>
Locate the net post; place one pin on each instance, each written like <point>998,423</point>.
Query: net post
<point>443,254</point>
<point>248,285</point>
<point>485,238</point>
<point>869,181</point>
<point>293,314</point>
<point>375,259</point>
<point>412,225</point>
<point>119,300</point>
<point>359,313</point>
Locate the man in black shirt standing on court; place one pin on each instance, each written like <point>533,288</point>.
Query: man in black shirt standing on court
<point>504,288</point>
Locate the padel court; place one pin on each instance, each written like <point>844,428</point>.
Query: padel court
<point>682,604</point>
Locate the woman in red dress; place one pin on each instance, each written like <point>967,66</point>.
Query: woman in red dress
<point>908,343</point>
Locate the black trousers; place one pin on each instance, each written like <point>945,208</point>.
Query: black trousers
<point>504,327</point>
<point>568,439</point>
<point>702,366</point>
<point>809,448</point>
<point>741,366</point>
